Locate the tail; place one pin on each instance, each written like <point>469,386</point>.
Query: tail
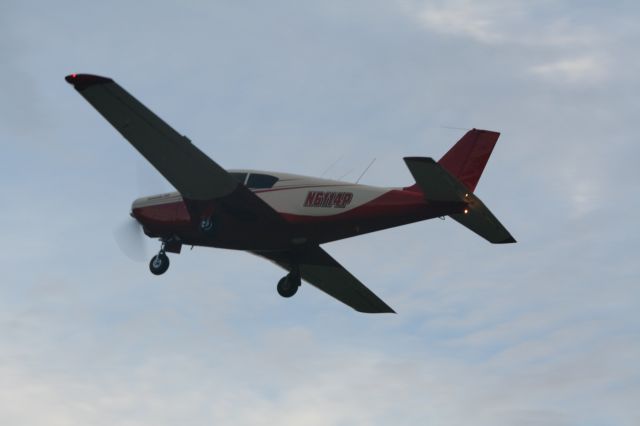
<point>467,158</point>
<point>454,178</point>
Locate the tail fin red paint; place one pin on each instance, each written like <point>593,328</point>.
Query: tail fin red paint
<point>467,158</point>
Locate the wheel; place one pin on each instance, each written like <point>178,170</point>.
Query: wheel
<point>288,286</point>
<point>206,225</point>
<point>159,264</point>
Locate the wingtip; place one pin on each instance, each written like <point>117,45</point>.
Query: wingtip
<point>82,81</point>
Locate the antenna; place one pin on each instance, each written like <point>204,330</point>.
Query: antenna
<point>365,170</point>
<point>349,172</point>
<point>331,166</point>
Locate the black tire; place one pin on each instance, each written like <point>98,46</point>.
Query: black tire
<point>159,264</point>
<point>287,286</point>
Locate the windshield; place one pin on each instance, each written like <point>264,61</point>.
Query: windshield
<point>260,181</point>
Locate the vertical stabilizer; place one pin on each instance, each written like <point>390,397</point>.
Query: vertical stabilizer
<point>467,158</point>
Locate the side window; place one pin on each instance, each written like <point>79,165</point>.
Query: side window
<point>240,177</point>
<point>258,181</point>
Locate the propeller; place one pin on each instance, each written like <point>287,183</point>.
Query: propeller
<point>129,235</point>
<point>131,240</point>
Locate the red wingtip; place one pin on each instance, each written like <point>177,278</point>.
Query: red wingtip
<point>82,81</point>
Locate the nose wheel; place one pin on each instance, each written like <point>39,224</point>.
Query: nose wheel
<point>159,263</point>
<point>288,285</point>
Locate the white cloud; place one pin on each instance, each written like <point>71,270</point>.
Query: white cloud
<point>293,377</point>
<point>502,22</point>
<point>581,70</point>
<point>462,19</point>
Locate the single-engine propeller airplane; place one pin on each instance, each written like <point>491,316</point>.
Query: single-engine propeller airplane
<point>284,217</point>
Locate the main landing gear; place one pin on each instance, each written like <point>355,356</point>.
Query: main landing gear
<point>160,262</point>
<point>288,285</point>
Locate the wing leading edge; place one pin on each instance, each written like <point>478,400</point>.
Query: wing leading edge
<point>319,269</point>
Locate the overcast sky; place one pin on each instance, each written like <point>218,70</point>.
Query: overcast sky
<point>543,332</point>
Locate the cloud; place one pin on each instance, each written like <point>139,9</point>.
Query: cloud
<point>290,375</point>
<point>462,19</point>
<point>503,22</point>
<point>582,70</point>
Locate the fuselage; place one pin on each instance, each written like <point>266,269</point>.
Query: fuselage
<point>315,210</point>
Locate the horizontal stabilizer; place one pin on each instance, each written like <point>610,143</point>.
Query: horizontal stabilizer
<point>438,185</point>
<point>434,181</point>
<point>480,220</point>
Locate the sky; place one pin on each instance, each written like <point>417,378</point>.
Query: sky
<point>542,332</point>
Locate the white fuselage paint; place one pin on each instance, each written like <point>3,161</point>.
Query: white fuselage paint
<point>291,192</point>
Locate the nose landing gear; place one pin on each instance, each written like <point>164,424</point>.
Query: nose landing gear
<point>160,262</point>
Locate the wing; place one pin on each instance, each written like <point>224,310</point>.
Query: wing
<point>323,272</point>
<point>196,176</point>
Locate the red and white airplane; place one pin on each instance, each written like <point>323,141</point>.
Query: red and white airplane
<point>285,217</point>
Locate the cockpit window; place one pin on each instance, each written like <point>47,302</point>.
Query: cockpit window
<point>240,177</point>
<point>259,181</point>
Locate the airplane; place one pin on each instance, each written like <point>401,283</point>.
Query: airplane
<point>284,217</point>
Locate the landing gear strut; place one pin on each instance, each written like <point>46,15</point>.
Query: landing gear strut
<point>288,285</point>
<point>160,262</point>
